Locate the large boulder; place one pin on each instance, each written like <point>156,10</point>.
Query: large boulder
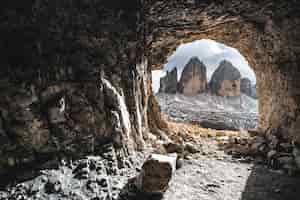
<point>225,81</point>
<point>156,173</point>
<point>193,78</point>
<point>168,83</point>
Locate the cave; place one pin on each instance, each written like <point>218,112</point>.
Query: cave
<point>258,38</point>
<point>75,81</point>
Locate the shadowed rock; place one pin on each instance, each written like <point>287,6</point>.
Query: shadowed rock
<point>193,78</point>
<point>225,81</point>
<point>168,84</point>
<point>246,86</point>
<point>253,91</point>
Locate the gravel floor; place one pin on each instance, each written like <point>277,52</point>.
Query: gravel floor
<point>217,176</point>
<point>213,179</point>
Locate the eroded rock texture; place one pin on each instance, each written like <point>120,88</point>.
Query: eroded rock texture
<point>73,77</point>
<point>248,88</point>
<point>226,80</point>
<point>193,78</point>
<point>265,32</point>
<point>156,173</point>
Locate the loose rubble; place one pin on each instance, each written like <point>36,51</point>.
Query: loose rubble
<point>210,111</point>
<point>276,153</point>
<point>93,177</point>
<point>200,157</point>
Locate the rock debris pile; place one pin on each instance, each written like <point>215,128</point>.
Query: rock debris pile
<point>211,111</point>
<point>100,177</point>
<point>93,177</point>
<point>276,152</point>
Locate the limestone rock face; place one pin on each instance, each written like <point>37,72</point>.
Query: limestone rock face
<point>193,78</point>
<point>168,84</point>
<point>246,86</point>
<point>253,91</point>
<point>225,81</point>
<point>69,83</point>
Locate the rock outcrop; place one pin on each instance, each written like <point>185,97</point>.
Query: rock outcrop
<point>246,86</point>
<point>156,173</point>
<point>168,83</point>
<point>225,81</point>
<point>193,79</point>
<point>93,177</point>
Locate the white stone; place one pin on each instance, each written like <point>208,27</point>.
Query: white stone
<point>271,154</point>
<point>156,173</point>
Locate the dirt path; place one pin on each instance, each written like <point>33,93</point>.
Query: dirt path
<point>207,179</point>
<point>217,176</point>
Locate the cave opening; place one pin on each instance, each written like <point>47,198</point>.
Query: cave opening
<point>209,84</point>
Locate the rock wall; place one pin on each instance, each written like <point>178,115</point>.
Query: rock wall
<point>265,32</point>
<point>73,77</point>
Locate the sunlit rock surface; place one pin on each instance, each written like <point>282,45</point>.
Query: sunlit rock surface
<point>193,79</point>
<point>226,80</point>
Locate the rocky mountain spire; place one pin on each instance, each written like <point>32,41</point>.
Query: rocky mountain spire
<point>193,78</point>
<point>225,81</point>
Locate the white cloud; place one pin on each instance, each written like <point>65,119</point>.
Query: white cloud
<point>156,75</point>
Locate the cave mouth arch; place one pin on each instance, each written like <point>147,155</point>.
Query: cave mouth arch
<point>186,87</point>
<point>263,45</point>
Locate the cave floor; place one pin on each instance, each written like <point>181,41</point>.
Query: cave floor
<point>210,174</point>
<point>214,175</point>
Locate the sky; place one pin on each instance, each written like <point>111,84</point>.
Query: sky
<point>210,52</point>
